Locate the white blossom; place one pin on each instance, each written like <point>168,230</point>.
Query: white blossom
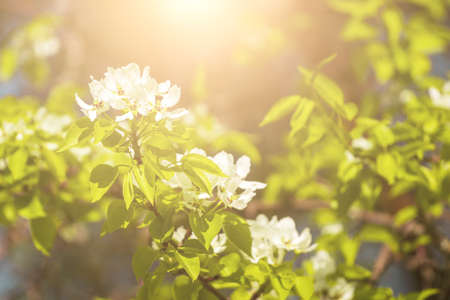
<point>232,190</point>
<point>271,238</point>
<point>362,144</point>
<point>236,173</point>
<point>51,123</point>
<point>132,93</point>
<point>323,265</point>
<point>342,290</point>
<point>46,47</point>
<point>332,229</point>
<point>179,234</point>
<point>80,152</point>
<point>441,99</point>
<point>350,157</point>
<point>218,243</point>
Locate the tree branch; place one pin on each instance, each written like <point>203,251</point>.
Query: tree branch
<point>209,287</point>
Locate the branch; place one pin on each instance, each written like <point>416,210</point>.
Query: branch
<point>383,260</point>
<point>209,287</point>
<point>259,291</point>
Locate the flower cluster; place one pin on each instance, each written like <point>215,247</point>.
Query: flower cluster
<point>323,265</point>
<point>441,99</point>
<point>272,238</point>
<point>232,190</point>
<point>218,243</point>
<point>131,93</point>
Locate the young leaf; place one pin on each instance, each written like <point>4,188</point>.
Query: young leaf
<point>8,62</point>
<point>17,163</point>
<point>230,264</point>
<point>56,164</point>
<point>198,178</point>
<point>142,260</point>
<point>184,289</point>
<point>281,108</point>
<point>43,233</point>
<point>238,233</point>
<point>206,228</point>
<point>161,228</point>
<point>72,137</point>
<point>127,189</point>
<point>101,179</point>
<point>202,162</point>
<point>301,116</point>
<point>387,167</point>
<point>304,286</point>
<point>405,214</point>
<point>145,187</point>
<point>356,272</point>
<point>191,264</point>
<point>327,89</point>
<point>117,217</point>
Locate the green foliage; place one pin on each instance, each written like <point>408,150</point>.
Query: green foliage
<point>383,164</point>
<point>43,232</point>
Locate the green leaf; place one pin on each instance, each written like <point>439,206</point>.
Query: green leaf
<point>387,166</point>
<point>143,184</point>
<point>43,233</point>
<point>117,217</point>
<point>112,139</point>
<point>356,272</point>
<point>56,164</point>
<point>17,163</point>
<point>384,135</point>
<point>8,63</point>
<point>202,162</point>
<point>287,278</point>
<point>255,273</point>
<point>282,292</point>
<point>101,179</point>
<point>394,23</point>
<point>326,61</point>
<point>404,215</point>
<point>240,293</point>
<point>142,260</point>
<point>238,232</point>
<point>230,264</point>
<point>161,228</point>
<point>349,248</point>
<point>301,116</point>
<point>127,189</point>
<point>206,227</point>
<point>304,286</point>
<point>33,210</point>
<point>425,294</point>
<point>72,137</point>
<point>198,178</point>
<point>184,289</point>
<point>372,233</point>
<point>191,264</point>
<point>281,108</point>
<point>328,90</point>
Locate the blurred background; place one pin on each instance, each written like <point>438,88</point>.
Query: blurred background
<point>234,57</point>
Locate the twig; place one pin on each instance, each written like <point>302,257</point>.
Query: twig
<point>259,291</point>
<point>383,260</point>
<point>209,287</point>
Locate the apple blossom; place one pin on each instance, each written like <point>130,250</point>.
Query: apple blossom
<point>441,99</point>
<point>271,238</point>
<point>131,93</point>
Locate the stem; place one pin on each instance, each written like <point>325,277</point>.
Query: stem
<point>259,291</point>
<point>135,144</point>
<point>209,287</point>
